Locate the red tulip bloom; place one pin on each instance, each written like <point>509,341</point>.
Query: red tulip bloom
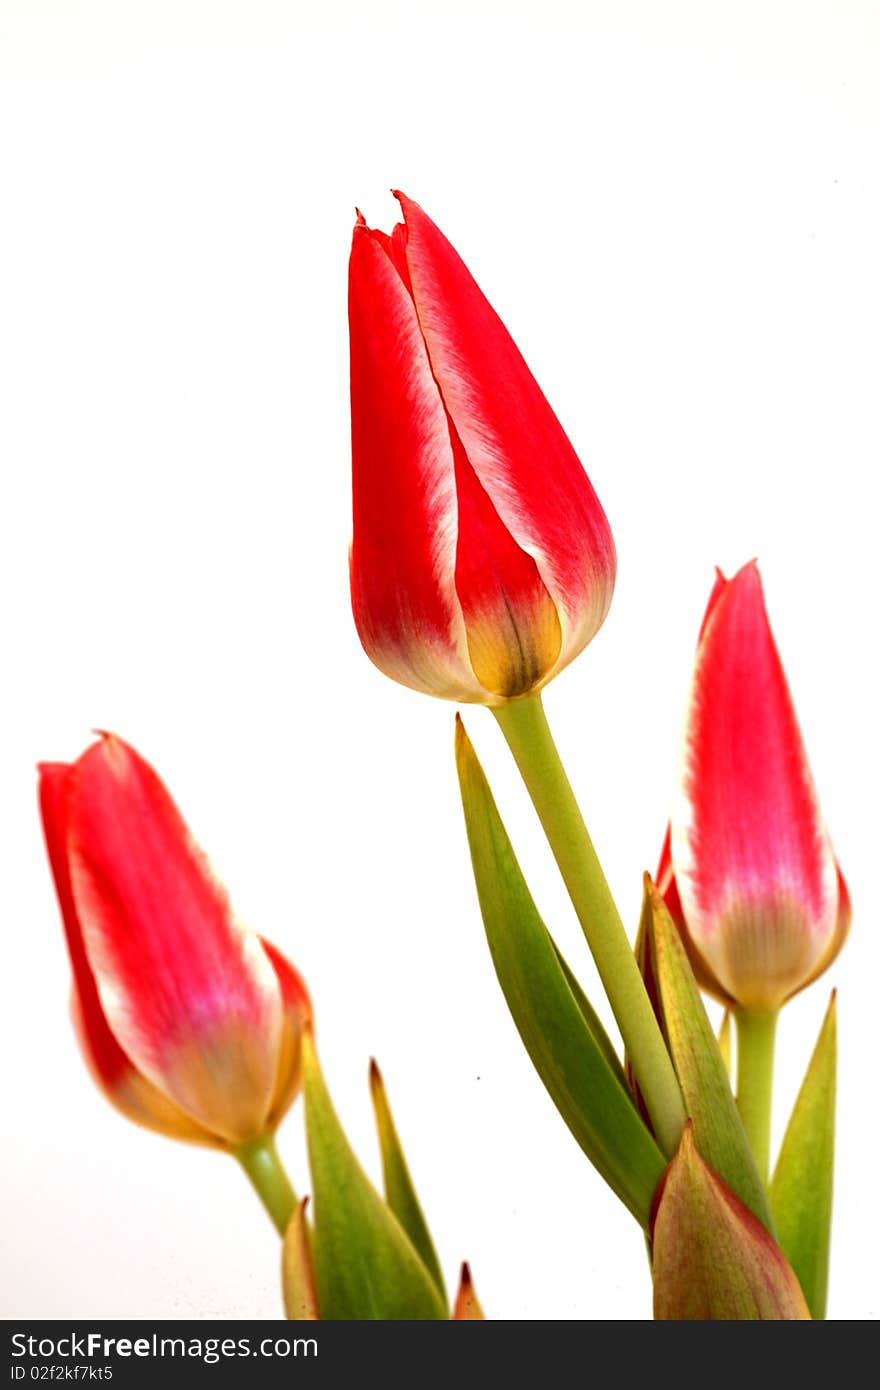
<point>190,1024</point>
<point>481,559</point>
<point>747,869</point>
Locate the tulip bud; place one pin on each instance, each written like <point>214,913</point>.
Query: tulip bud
<point>747,869</point>
<point>297,1271</point>
<point>712,1259</point>
<point>481,560</point>
<point>190,1024</point>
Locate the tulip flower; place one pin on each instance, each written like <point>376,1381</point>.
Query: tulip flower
<point>190,1024</point>
<point>747,869</point>
<point>481,559</point>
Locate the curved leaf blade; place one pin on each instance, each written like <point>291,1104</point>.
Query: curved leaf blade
<point>572,1064</point>
<point>400,1192</point>
<point>725,1042</point>
<point>699,1064</point>
<point>365,1265</point>
<point>803,1181</point>
<point>591,1018</point>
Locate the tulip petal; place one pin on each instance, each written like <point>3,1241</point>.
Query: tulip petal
<point>712,1259</point>
<point>721,583</point>
<point>190,996</point>
<point>841,932</point>
<point>111,1068</point>
<point>467,1306</point>
<point>753,863</point>
<point>131,1093</point>
<point>667,885</point>
<point>404,498</point>
<point>513,630</point>
<point>400,1192</point>
<point>107,1056</point>
<point>296,1015</point>
<point>512,438</point>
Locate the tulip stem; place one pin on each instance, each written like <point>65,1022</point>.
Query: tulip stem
<point>524,726</point>
<point>260,1161</point>
<point>755,1040</point>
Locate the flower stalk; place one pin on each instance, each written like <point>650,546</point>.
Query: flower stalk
<point>755,1043</point>
<point>269,1180</point>
<point>524,726</point>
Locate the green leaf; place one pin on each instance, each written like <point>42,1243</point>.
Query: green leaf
<point>399,1190</point>
<point>573,1064</point>
<point>725,1042</point>
<point>699,1065</point>
<point>800,1193</point>
<point>591,1018</point>
<point>365,1264</point>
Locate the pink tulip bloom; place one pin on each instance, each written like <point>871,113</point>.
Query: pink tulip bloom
<point>747,868</point>
<point>481,559</point>
<point>190,1024</point>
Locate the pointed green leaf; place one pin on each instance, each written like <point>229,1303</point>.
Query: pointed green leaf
<point>365,1264</point>
<point>645,961</point>
<point>573,1065</point>
<point>712,1259</point>
<point>800,1193</point>
<point>591,1018</point>
<point>725,1042</point>
<point>699,1065</point>
<point>400,1193</point>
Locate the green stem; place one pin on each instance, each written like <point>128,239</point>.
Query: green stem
<point>260,1161</point>
<point>524,726</point>
<point>755,1039</point>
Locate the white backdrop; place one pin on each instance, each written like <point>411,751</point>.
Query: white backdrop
<point>675,209</point>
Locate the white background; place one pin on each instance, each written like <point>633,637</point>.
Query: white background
<point>675,209</point>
